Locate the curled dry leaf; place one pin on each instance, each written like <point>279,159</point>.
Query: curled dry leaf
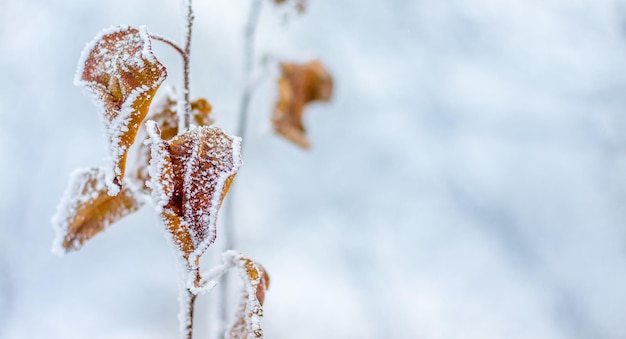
<point>122,75</point>
<point>299,85</point>
<point>189,177</point>
<point>163,112</point>
<point>86,209</point>
<point>247,322</point>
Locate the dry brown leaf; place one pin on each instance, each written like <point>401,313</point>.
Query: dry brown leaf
<point>189,177</point>
<point>163,112</point>
<point>299,85</point>
<point>122,75</point>
<point>86,209</point>
<point>201,112</point>
<point>255,282</point>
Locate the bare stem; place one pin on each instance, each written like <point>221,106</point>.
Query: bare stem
<point>248,68</point>
<point>187,302</point>
<point>248,64</point>
<point>187,298</point>
<point>186,116</point>
<point>170,43</point>
<point>184,104</point>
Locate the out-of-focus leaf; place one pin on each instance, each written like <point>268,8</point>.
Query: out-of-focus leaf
<point>163,112</point>
<point>247,322</point>
<point>86,209</point>
<point>299,4</point>
<point>189,177</point>
<point>201,111</point>
<point>299,85</point>
<point>122,75</point>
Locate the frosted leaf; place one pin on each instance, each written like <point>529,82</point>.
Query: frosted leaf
<point>189,177</point>
<point>163,112</point>
<point>86,209</point>
<point>247,324</point>
<point>120,72</point>
<point>299,85</point>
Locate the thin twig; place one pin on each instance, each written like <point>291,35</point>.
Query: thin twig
<point>248,64</point>
<point>186,117</point>
<point>187,302</point>
<point>192,304</point>
<point>187,298</point>
<point>248,68</point>
<point>170,43</point>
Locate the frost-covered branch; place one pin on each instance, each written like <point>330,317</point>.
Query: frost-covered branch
<point>187,301</point>
<point>187,297</point>
<point>186,117</point>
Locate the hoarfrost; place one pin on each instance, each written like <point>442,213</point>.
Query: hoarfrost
<point>86,209</point>
<point>189,177</point>
<point>247,323</point>
<point>119,72</point>
<point>159,170</point>
<point>162,111</point>
<point>255,281</point>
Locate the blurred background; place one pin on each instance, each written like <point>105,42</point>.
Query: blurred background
<point>466,181</point>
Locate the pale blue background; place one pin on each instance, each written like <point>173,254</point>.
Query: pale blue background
<point>467,181</point>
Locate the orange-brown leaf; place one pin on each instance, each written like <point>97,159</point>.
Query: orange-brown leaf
<point>189,177</point>
<point>163,112</point>
<point>263,285</point>
<point>122,75</point>
<point>255,283</point>
<point>201,110</point>
<point>86,209</point>
<point>299,85</point>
